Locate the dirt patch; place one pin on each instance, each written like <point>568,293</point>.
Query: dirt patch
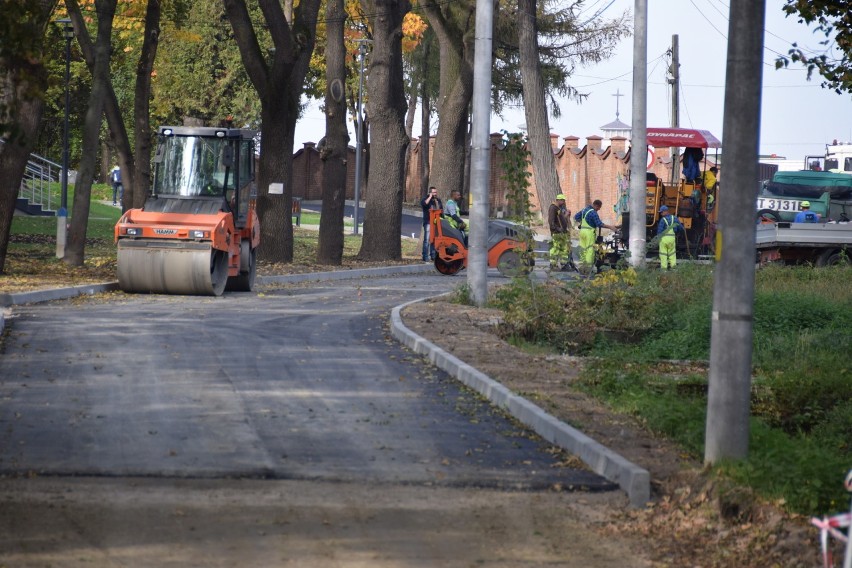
<point>692,520</point>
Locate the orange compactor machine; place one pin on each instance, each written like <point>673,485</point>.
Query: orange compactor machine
<point>198,231</point>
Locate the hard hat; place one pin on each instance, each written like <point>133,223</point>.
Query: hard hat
<point>560,196</point>
<point>663,209</point>
<point>806,203</point>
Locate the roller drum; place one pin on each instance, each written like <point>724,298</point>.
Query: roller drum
<point>171,267</point>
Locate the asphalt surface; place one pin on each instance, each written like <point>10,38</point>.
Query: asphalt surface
<point>298,382</point>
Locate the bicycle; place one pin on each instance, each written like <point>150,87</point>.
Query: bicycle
<point>830,526</point>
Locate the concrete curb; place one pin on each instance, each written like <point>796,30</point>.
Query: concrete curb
<point>632,479</point>
<point>7,300</point>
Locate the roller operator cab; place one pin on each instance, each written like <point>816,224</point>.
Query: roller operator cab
<point>198,232</point>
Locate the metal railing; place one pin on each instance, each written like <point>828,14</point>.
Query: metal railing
<point>38,175</point>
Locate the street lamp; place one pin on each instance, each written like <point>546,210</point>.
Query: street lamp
<point>62,215</point>
<point>362,52</point>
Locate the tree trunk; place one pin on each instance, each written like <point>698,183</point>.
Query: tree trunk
<point>386,178</point>
<point>425,139</point>
<point>410,115</point>
<point>22,78</point>
<point>115,119</point>
<point>279,87</point>
<point>454,27</point>
<point>334,150</point>
<point>141,109</point>
<point>75,249</point>
<point>535,105</point>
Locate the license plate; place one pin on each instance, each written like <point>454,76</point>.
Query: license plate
<point>776,204</point>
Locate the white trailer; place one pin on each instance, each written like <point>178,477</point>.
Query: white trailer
<point>821,244</point>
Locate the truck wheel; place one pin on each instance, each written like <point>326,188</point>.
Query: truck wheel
<point>834,257</point>
<point>767,216</point>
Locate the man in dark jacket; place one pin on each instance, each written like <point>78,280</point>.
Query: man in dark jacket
<point>560,233</point>
<point>431,201</point>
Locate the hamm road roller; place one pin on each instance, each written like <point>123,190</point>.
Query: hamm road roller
<point>507,243</point>
<point>198,231</point>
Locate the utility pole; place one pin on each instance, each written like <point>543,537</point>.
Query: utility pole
<point>359,133</point>
<point>674,81</point>
<point>62,214</point>
<point>639,136</point>
<point>729,390</point>
<point>480,155</point>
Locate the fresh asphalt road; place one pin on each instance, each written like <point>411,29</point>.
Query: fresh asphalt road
<point>296,382</point>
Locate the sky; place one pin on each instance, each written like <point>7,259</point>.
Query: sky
<point>798,117</point>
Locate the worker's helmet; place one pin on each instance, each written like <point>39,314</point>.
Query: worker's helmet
<point>806,203</point>
<point>560,196</point>
<point>663,209</point>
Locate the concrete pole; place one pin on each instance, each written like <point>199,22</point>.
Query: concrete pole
<point>639,141</point>
<point>675,83</point>
<point>729,391</point>
<point>480,155</point>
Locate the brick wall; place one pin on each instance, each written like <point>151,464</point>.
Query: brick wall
<point>585,173</point>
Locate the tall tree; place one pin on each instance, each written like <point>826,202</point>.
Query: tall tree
<point>383,218</point>
<point>333,150</point>
<point>453,23</point>
<point>535,104</point>
<point>23,80</point>
<point>427,68</point>
<point>537,52</point>
<point>112,109</point>
<point>421,73</point>
<point>75,249</point>
<point>142,107</point>
<point>833,19</point>
<point>279,86</point>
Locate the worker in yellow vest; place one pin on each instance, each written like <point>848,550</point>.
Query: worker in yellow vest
<point>589,224</point>
<point>666,229</point>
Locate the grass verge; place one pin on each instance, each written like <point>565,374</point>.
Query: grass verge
<point>31,262</point>
<point>649,337</point>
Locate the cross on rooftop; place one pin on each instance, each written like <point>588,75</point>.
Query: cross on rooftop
<point>617,95</point>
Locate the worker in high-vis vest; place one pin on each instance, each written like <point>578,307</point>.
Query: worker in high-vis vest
<point>589,224</point>
<point>560,233</point>
<point>666,229</point>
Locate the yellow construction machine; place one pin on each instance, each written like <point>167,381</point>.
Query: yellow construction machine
<point>693,204</point>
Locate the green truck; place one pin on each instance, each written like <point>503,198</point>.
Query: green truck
<point>825,243</point>
<point>830,196</point>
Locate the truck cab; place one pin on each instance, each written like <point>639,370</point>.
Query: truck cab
<point>829,193</point>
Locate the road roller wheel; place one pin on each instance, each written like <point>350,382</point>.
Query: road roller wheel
<point>171,268</point>
<point>218,271</point>
<point>244,281</point>
<point>448,268</point>
<point>510,264</point>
